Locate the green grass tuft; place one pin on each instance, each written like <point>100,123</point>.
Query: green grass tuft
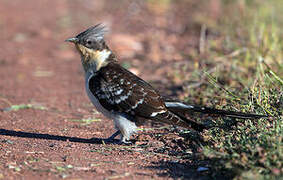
<point>23,106</point>
<point>241,67</point>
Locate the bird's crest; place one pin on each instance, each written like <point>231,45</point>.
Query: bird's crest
<point>96,32</point>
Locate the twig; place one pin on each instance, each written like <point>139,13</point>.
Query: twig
<point>202,39</point>
<point>221,87</point>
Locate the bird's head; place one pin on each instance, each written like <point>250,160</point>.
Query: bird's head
<point>92,47</point>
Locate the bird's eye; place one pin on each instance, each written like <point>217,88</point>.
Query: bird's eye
<point>88,42</point>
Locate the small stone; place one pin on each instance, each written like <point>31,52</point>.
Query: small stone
<point>200,169</point>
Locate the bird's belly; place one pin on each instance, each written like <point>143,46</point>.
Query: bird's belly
<point>95,101</point>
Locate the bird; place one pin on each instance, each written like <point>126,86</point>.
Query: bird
<point>127,99</point>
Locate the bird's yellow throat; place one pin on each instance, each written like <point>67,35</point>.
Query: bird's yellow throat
<point>90,56</point>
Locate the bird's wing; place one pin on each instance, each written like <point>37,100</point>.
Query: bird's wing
<point>119,90</point>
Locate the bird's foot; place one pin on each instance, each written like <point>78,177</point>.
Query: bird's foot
<point>126,141</point>
<point>123,141</point>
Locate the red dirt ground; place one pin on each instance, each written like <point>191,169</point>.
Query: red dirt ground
<point>37,67</point>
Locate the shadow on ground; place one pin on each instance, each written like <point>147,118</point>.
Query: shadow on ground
<point>177,170</point>
<point>22,134</point>
<point>189,170</point>
<point>173,169</point>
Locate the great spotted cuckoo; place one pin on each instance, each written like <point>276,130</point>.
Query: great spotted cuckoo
<point>124,97</point>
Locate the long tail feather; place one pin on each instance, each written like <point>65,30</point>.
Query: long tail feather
<point>179,108</point>
<point>178,120</point>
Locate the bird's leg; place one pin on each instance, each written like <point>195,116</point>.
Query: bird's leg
<point>112,137</point>
<point>123,140</point>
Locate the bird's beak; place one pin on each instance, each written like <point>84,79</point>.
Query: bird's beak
<point>73,40</point>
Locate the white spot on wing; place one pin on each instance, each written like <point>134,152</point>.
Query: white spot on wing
<point>178,104</point>
<point>122,98</point>
<point>139,102</point>
<point>119,92</point>
<point>129,93</point>
<point>155,113</point>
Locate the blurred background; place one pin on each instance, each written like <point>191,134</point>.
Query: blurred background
<point>222,53</point>
<point>173,42</point>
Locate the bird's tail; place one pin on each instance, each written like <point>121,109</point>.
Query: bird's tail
<point>181,109</point>
<point>177,119</point>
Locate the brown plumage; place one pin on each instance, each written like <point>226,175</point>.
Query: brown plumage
<point>122,91</point>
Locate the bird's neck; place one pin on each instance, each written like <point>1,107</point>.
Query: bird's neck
<point>95,59</point>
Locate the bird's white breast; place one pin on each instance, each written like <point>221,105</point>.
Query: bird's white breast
<point>94,100</point>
